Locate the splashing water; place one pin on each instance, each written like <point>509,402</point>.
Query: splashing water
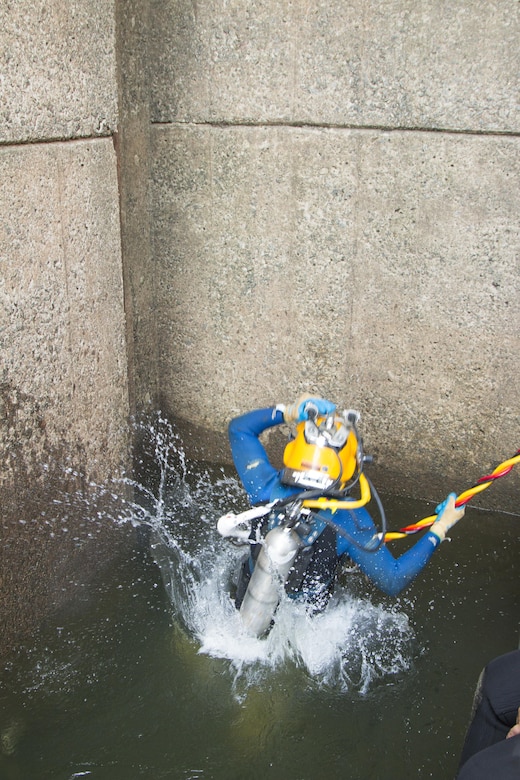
<point>350,645</point>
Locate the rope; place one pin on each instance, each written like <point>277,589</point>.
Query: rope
<point>482,484</point>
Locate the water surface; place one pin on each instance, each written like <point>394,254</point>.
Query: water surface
<point>150,676</point>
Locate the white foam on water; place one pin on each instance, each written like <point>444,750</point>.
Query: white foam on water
<point>349,645</point>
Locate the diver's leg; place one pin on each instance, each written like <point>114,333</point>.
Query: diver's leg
<point>246,569</point>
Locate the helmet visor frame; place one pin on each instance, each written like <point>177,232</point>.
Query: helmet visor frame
<point>330,431</point>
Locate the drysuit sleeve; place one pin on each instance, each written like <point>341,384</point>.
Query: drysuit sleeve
<point>390,574</point>
<point>257,475</point>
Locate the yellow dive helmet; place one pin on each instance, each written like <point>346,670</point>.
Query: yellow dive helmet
<point>325,450</point>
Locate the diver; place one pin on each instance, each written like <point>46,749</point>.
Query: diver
<point>310,499</point>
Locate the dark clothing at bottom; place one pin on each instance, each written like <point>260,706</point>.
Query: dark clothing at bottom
<point>486,753</point>
<point>501,761</point>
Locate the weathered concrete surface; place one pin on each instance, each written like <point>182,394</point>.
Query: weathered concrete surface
<point>369,257</point>
<point>133,142</point>
<point>398,63</point>
<point>62,318</point>
<point>63,380</point>
<point>63,365</point>
<point>57,69</point>
<point>379,269</point>
<point>56,532</point>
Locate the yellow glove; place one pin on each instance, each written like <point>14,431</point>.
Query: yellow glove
<point>447,517</point>
<point>298,411</point>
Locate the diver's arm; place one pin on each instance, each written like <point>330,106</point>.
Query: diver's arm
<point>249,456</point>
<point>390,574</point>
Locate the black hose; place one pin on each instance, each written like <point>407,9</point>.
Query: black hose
<point>370,547</point>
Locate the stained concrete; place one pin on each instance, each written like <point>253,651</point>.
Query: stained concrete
<point>378,269</point>
<point>398,63</point>
<point>334,200</point>
<point>135,70</point>
<point>62,318</point>
<point>63,375</point>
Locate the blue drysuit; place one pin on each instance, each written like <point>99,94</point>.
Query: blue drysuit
<point>263,484</point>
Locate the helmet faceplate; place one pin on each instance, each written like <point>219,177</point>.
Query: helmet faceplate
<point>323,450</point>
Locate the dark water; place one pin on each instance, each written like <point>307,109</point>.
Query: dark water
<point>149,677</point>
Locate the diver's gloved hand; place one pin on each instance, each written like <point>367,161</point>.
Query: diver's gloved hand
<point>299,410</point>
<point>447,517</point>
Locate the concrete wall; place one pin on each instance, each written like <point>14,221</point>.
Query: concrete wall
<point>334,208</point>
<point>63,367</point>
<point>63,340</point>
<point>133,142</point>
<point>307,196</point>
